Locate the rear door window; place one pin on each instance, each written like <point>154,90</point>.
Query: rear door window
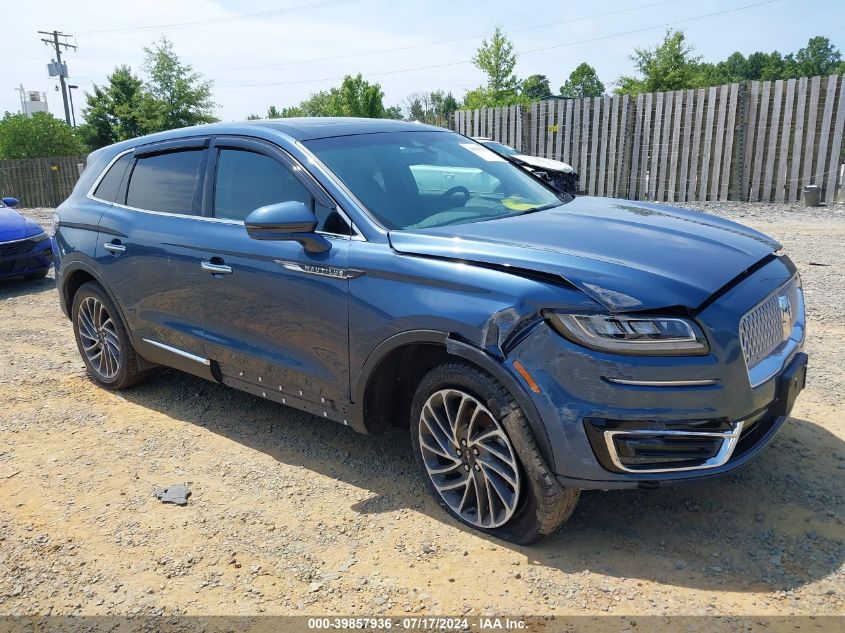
<point>165,182</point>
<point>109,186</point>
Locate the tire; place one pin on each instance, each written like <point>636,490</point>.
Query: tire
<point>500,450</point>
<point>39,275</point>
<point>97,325</point>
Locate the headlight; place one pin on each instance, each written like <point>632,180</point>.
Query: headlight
<point>635,335</point>
<point>54,224</point>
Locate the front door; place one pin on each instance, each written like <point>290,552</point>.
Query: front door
<point>276,317</point>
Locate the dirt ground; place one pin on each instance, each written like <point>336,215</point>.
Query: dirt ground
<point>292,514</point>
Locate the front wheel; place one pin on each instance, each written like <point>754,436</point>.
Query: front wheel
<point>102,340</point>
<point>479,458</point>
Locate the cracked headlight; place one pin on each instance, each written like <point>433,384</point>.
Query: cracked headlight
<point>633,335</point>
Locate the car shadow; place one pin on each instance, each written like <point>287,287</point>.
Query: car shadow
<point>774,525</point>
<point>18,286</point>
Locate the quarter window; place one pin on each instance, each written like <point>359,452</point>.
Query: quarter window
<point>247,180</point>
<point>165,182</point>
<point>109,186</point>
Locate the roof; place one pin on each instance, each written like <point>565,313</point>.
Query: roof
<point>300,129</point>
<point>307,128</point>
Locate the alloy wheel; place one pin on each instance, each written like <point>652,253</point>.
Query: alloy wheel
<point>469,458</point>
<point>98,335</point>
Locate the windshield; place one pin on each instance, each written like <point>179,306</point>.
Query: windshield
<point>500,148</point>
<point>413,180</point>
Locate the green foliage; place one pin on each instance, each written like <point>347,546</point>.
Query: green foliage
<point>668,66</point>
<point>582,82</point>
<point>174,95</point>
<point>355,97</point>
<point>536,87</point>
<point>37,136</point>
<point>430,107</point>
<point>671,66</point>
<point>497,60</point>
<point>115,112</point>
<point>819,57</point>
<point>179,96</point>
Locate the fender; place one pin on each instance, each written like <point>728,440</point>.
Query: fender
<point>454,347</point>
<point>80,262</point>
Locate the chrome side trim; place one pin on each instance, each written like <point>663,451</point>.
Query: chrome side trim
<point>661,383</point>
<point>323,271</point>
<point>175,350</point>
<point>729,440</point>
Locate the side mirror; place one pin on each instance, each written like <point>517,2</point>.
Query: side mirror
<point>287,221</point>
<point>11,202</point>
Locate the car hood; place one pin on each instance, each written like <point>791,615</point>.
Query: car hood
<point>13,226</point>
<point>543,163</point>
<point>627,256</point>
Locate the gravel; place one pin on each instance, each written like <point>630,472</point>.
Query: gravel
<point>291,514</point>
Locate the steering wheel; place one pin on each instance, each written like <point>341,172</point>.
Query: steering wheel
<point>451,192</point>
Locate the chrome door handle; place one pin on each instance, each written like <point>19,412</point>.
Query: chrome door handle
<point>114,248</point>
<point>217,269</point>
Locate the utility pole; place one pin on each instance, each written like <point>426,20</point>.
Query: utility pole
<point>70,89</point>
<point>53,40</point>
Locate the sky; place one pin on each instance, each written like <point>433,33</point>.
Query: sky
<point>296,47</point>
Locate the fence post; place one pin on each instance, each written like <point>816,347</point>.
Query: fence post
<point>738,190</point>
<point>527,128</point>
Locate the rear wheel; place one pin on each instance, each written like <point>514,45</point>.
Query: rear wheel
<point>102,340</point>
<point>479,458</point>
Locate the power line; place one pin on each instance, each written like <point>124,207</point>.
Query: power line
<point>234,18</point>
<point>519,53</point>
<point>442,42</point>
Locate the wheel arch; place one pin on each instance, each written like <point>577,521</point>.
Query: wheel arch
<point>377,400</point>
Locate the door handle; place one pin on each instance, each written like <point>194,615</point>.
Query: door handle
<point>113,247</point>
<point>216,269</point>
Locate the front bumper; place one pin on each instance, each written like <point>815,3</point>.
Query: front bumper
<point>25,256</point>
<point>616,421</point>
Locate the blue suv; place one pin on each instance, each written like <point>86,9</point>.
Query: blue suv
<point>381,273</point>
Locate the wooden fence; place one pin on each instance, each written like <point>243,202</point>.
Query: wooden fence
<point>757,141</point>
<point>40,182</point>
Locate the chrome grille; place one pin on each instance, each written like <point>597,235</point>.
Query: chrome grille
<point>769,324</point>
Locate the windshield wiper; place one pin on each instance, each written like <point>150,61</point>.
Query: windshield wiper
<point>542,207</point>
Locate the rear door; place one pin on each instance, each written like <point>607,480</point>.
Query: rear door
<point>146,253</point>
<point>276,317</point>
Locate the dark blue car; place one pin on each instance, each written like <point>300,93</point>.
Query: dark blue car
<point>381,273</point>
<point>25,248</point>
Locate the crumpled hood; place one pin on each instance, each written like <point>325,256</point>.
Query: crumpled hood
<point>544,163</point>
<point>13,226</point>
<point>627,256</point>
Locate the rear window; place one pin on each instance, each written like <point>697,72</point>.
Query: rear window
<point>165,182</point>
<point>109,186</point>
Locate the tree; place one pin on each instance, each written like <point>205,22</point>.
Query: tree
<point>536,87</point>
<point>582,82</point>
<point>116,111</point>
<point>180,96</point>
<point>668,66</point>
<point>819,57</point>
<point>37,136</point>
<point>496,59</point>
<point>355,97</point>
<point>430,107</point>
